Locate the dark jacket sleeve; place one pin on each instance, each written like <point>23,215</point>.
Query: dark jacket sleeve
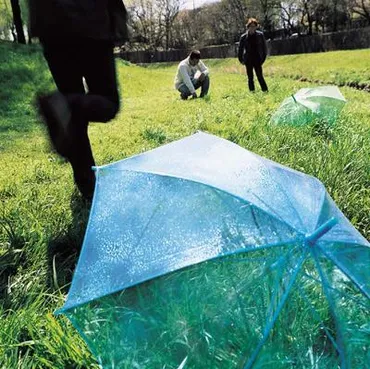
<point>241,48</point>
<point>118,17</point>
<point>264,48</point>
<point>37,9</point>
<point>52,20</point>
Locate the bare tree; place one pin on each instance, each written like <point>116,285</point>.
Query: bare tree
<point>333,14</point>
<point>362,8</point>
<point>308,10</point>
<point>220,26</point>
<point>183,32</point>
<point>208,25</point>
<point>269,10</point>
<point>143,23</point>
<point>289,14</point>
<point>162,23</point>
<point>169,9</point>
<point>237,10</point>
<point>152,22</point>
<point>304,11</point>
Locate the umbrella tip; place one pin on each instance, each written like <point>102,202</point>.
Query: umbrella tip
<point>319,232</point>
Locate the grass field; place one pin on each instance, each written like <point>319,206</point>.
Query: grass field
<point>43,219</point>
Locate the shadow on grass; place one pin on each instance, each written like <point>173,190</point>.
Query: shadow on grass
<point>63,252</point>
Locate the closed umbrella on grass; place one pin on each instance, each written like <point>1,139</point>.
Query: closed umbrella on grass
<point>201,254</point>
<point>318,104</point>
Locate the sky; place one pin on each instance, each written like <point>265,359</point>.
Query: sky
<point>190,3</point>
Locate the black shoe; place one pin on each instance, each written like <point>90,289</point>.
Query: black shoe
<point>85,182</point>
<point>56,114</point>
<point>183,96</point>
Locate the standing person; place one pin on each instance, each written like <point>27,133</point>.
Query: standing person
<point>252,53</point>
<point>192,74</point>
<point>78,39</point>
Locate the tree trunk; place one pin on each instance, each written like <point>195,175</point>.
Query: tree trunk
<point>335,16</point>
<point>167,35</point>
<point>17,19</point>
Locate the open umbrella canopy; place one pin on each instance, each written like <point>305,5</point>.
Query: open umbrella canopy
<point>309,104</point>
<point>201,254</point>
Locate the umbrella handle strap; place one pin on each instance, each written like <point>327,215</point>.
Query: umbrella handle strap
<point>319,232</point>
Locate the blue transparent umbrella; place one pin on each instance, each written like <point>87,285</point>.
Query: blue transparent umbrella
<point>201,254</point>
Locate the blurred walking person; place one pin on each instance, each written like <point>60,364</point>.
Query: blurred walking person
<point>78,38</point>
<point>252,53</point>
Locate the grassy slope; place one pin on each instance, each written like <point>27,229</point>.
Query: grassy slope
<point>337,67</point>
<point>42,220</point>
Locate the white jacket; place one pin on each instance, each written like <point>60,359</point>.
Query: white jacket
<point>186,72</point>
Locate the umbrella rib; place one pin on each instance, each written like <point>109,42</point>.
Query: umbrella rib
<point>346,243</point>
<point>282,259</point>
<point>345,270</point>
<point>354,299</point>
<point>145,228</point>
<point>256,222</point>
<point>251,206</point>
<point>325,285</point>
<point>321,208</point>
<point>276,215</point>
<point>238,299</point>
<point>317,316</point>
<point>265,269</point>
<point>270,325</point>
<point>288,199</point>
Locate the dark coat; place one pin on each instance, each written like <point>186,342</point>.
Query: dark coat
<point>70,20</point>
<point>244,47</point>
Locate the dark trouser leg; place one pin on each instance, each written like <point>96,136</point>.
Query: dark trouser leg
<point>259,74</point>
<point>68,63</point>
<point>204,86</point>
<point>94,61</point>
<point>101,103</point>
<point>184,91</point>
<point>81,159</point>
<point>249,67</point>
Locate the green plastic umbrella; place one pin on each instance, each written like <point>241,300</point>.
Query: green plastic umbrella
<point>310,104</point>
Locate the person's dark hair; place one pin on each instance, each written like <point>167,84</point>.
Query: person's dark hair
<point>252,21</point>
<point>195,54</point>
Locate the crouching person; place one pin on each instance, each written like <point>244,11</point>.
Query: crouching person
<point>191,75</point>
